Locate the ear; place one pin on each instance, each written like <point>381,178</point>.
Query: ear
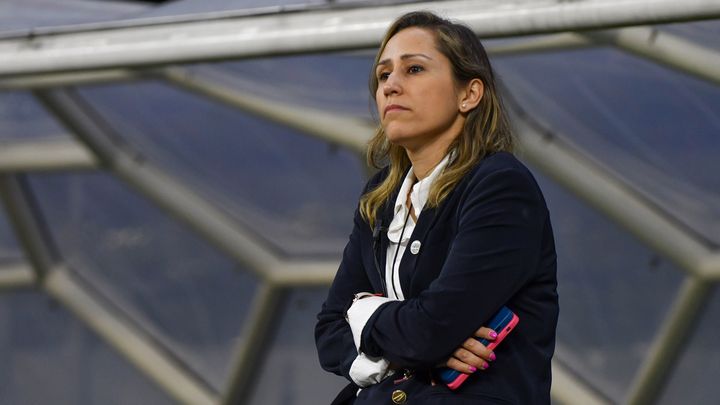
<point>470,95</point>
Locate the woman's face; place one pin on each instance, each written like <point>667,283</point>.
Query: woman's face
<point>417,98</point>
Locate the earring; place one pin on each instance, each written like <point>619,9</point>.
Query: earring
<point>464,105</point>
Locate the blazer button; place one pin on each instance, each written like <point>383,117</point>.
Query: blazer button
<point>415,247</point>
<point>399,397</point>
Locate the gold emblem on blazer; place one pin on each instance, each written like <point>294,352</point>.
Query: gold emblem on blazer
<point>399,396</point>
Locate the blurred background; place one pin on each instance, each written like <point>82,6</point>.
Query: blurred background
<point>178,181</point>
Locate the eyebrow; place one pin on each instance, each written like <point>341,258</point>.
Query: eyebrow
<point>405,56</point>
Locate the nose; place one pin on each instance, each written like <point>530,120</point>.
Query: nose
<point>391,86</point>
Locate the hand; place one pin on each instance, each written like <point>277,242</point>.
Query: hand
<point>473,355</point>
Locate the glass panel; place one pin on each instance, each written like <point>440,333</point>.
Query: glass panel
<point>22,117</point>
<point>330,82</point>
<point>20,16</point>
<point>9,248</point>
<point>694,376</point>
<point>611,287</point>
<point>183,291</point>
<point>294,190</point>
<point>185,7</point>
<point>705,33</point>
<point>49,357</point>
<point>292,357</point>
<point>653,127</point>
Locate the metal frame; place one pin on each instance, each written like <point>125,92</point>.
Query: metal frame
<point>27,222</point>
<point>627,208</point>
<point>210,82</point>
<point>650,43</point>
<point>679,325</point>
<point>317,31</point>
<point>51,154</point>
<point>65,79</point>
<point>166,191</point>
<point>566,389</point>
<point>55,59</point>
<point>253,343</point>
<point>668,49</point>
<point>613,197</point>
<point>16,275</point>
<point>225,232</point>
<point>54,277</point>
<point>151,358</point>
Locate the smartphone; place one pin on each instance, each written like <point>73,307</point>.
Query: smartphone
<point>503,323</point>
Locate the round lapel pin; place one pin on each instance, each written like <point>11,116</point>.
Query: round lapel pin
<point>415,247</point>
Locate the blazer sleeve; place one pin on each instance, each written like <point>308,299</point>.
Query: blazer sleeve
<point>333,335</point>
<point>495,252</point>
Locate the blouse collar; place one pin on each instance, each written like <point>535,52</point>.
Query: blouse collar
<point>419,192</point>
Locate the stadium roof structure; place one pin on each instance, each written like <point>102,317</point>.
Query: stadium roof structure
<point>180,179</point>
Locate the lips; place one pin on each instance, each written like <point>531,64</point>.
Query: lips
<point>394,107</point>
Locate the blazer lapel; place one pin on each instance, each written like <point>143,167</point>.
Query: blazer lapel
<point>386,217</point>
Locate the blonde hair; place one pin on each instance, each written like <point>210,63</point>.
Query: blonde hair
<point>486,128</point>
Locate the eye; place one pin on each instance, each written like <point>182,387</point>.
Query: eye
<point>382,76</point>
<point>415,69</point>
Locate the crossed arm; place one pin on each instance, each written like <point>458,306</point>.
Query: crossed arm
<point>497,242</point>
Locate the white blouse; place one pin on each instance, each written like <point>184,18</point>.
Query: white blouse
<point>419,192</point>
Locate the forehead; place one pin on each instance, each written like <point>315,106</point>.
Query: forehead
<point>410,40</point>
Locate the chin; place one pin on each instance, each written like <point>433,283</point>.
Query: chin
<point>399,140</point>
<point>400,137</point>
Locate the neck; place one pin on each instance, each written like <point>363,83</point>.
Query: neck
<point>424,163</point>
<point>425,157</point>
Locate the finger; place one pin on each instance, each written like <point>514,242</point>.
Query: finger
<point>458,365</point>
<point>478,349</point>
<point>486,333</point>
<point>470,358</point>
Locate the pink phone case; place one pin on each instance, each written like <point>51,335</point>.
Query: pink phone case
<point>492,345</point>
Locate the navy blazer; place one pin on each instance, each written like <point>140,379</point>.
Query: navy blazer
<point>488,244</point>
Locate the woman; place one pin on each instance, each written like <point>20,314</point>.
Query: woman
<point>449,231</point>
